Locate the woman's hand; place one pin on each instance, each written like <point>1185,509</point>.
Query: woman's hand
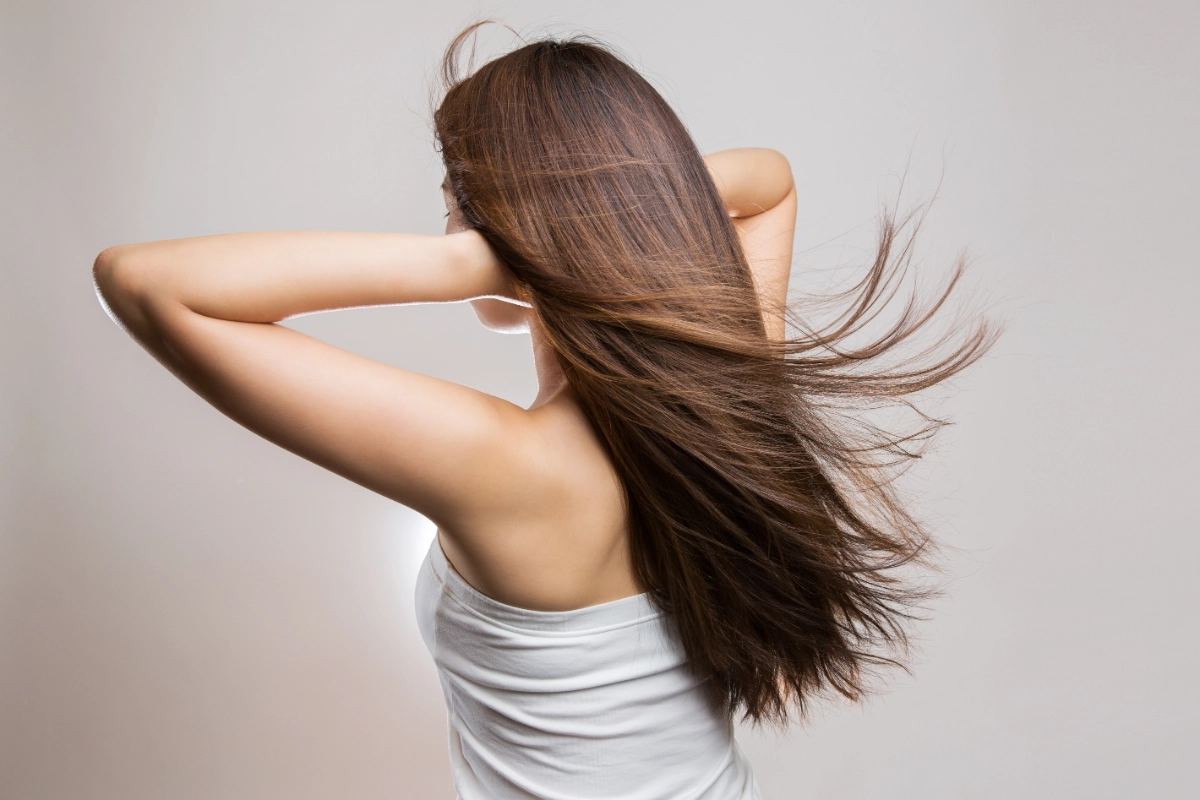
<point>489,276</point>
<point>494,280</point>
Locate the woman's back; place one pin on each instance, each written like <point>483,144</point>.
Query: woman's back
<point>561,542</point>
<point>598,702</point>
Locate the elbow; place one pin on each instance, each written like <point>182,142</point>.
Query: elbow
<point>783,172</point>
<point>108,272</point>
<point>119,288</point>
<point>121,271</point>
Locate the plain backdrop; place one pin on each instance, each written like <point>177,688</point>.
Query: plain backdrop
<point>188,612</point>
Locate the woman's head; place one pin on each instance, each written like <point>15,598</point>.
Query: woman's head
<point>766,529</point>
<point>582,177</point>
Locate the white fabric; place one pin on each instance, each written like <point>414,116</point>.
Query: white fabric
<point>592,703</point>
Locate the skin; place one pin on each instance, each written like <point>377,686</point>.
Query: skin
<point>528,508</point>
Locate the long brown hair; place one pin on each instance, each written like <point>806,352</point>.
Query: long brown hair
<point>767,527</point>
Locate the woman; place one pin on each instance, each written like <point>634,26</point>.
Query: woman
<point>678,530</point>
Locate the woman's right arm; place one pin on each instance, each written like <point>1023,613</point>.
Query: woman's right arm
<point>206,308</point>
<point>759,193</point>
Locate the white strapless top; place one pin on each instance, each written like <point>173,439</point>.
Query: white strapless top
<point>569,705</point>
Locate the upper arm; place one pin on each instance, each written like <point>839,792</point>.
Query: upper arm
<point>445,450</point>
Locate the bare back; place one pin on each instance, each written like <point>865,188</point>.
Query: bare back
<point>566,546</point>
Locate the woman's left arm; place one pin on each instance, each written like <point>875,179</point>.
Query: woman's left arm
<point>759,193</point>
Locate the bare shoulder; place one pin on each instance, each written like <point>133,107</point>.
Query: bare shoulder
<point>558,538</point>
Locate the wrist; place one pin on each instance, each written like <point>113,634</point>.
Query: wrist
<point>481,272</point>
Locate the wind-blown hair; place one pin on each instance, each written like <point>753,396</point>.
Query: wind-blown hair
<point>767,528</point>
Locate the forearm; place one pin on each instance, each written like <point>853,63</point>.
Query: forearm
<point>269,276</point>
<point>751,180</point>
<point>757,188</point>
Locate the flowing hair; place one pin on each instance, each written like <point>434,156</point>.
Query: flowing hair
<point>762,521</point>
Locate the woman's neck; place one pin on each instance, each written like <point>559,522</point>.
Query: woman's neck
<point>550,377</point>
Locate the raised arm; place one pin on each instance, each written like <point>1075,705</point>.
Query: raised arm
<point>205,308</point>
<point>270,276</point>
<point>758,190</point>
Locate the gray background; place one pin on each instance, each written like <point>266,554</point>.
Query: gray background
<point>188,612</point>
